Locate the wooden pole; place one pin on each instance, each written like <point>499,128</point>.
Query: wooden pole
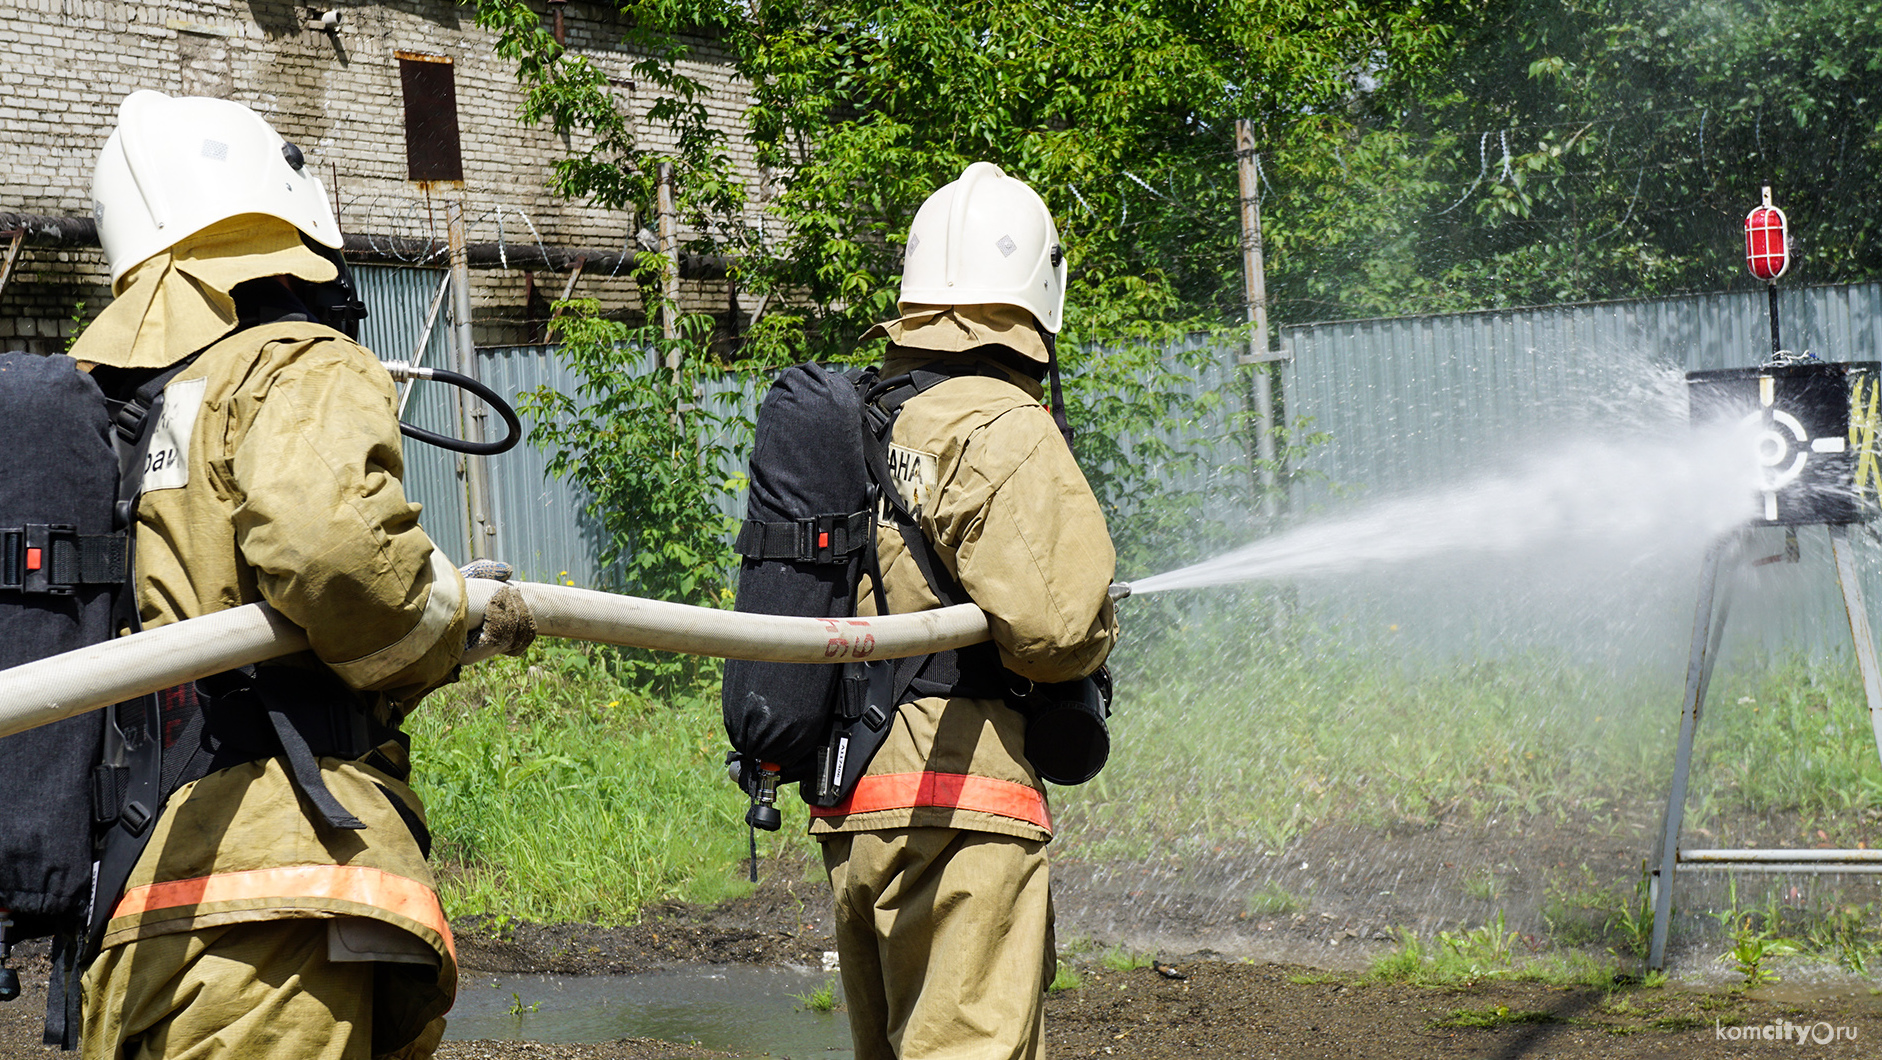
<point>1255,287</point>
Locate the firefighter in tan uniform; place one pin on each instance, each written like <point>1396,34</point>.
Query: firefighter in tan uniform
<point>281,905</point>
<point>937,859</point>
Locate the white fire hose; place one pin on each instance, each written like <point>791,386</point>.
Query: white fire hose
<point>51,689</point>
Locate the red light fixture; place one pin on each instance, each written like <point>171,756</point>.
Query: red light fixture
<point>1767,242</point>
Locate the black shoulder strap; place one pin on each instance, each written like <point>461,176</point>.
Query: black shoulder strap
<point>128,792</point>
<point>960,671</point>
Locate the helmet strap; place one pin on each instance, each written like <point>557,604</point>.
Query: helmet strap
<point>1058,397</point>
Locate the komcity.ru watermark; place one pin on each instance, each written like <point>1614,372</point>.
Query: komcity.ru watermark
<point>1821,1032</point>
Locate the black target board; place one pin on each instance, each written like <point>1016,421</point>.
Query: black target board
<point>1813,430</point>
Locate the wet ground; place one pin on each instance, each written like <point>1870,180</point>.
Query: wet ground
<point>1271,947</point>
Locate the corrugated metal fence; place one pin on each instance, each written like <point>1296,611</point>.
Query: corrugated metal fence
<point>1405,399</point>
<point>1406,404</point>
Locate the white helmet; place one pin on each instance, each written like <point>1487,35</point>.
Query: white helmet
<point>986,238</point>
<point>173,167</point>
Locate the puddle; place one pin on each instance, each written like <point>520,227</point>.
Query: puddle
<point>743,1010</point>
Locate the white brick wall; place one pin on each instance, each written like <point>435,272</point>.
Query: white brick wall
<point>69,62</point>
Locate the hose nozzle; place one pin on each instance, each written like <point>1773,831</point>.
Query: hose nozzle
<point>1119,590</point>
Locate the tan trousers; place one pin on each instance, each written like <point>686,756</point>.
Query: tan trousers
<point>945,939</point>
<point>260,991</point>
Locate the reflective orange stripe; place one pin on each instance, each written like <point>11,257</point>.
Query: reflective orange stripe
<point>347,883</point>
<point>959,791</point>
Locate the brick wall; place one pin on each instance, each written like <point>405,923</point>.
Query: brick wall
<point>69,62</point>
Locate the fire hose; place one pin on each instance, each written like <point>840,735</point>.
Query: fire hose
<point>61,686</point>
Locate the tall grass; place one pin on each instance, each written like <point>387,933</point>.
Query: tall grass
<point>556,794</point>
<point>1247,737</point>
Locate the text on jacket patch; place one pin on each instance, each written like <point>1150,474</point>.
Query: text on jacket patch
<point>915,474</point>
<point>167,464</point>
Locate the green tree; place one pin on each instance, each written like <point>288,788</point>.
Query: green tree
<point>1120,112</point>
<point>1584,149</point>
<point>639,436</point>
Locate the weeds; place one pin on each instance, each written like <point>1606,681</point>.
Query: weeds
<point>1065,977</point>
<point>1750,951</point>
<point>1459,958</point>
<point>1500,1016</point>
<point>1272,900</point>
<point>1119,959</point>
<point>821,999</point>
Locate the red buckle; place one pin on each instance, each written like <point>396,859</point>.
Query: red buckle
<point>823,539</point>
<point>33,559</point>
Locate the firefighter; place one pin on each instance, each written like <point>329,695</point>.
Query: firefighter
<point>279,903</point>
<point>937,859</point>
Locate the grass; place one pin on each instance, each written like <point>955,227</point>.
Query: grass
<point>1500,1016</point>
<point>1065,977</point>
<point>1245,738</point>
<point>1120,959</point>
<point>822,999</point>
<point>555,794</point>
<point>1463,957</point>
<point>1271,899</point>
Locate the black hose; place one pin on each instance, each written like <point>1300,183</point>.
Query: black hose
<point>460,445</point>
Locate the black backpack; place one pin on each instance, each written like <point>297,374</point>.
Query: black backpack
<point>808,535</point>
<point>63,568</point>
<point>819,480</point>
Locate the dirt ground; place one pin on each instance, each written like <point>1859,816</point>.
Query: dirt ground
<point>1257,979</point>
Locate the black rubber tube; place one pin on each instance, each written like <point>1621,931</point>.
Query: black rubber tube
<point>459,445</point>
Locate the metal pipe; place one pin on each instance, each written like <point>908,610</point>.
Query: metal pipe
<point>424,339</point>
<point>1771,854</point>
<point>469,413</point>
<point>62,686</point>
<point>42,230</point>
<point>1777,345</point>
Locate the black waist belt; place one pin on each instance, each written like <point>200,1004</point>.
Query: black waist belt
<point>973,672</point>
<point>298,715</point>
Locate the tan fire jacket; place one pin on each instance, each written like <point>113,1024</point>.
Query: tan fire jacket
<point>1011,516</point>
<point>274,475</point>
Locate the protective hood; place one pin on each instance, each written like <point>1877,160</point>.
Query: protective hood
<point>178,301</point>
<point>956,328</point>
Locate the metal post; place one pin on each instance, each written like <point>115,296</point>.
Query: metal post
<point>470,413</point>
<point>1706,635</point>
<point>1255,285</point>
<point>1859,633</point>
<point>1776,344</point>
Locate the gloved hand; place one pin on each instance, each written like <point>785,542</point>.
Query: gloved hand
<point>507,628</point>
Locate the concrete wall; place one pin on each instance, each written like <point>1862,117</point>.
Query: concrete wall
<point>69,62</point>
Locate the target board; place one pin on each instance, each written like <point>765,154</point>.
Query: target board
<point>1813,430</point>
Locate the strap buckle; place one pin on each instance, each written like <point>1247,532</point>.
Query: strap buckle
<point>30,554</point>
<point>818,538</point>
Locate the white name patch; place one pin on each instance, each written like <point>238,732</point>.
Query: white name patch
<point>167,463</point>
<point>915,474</point>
